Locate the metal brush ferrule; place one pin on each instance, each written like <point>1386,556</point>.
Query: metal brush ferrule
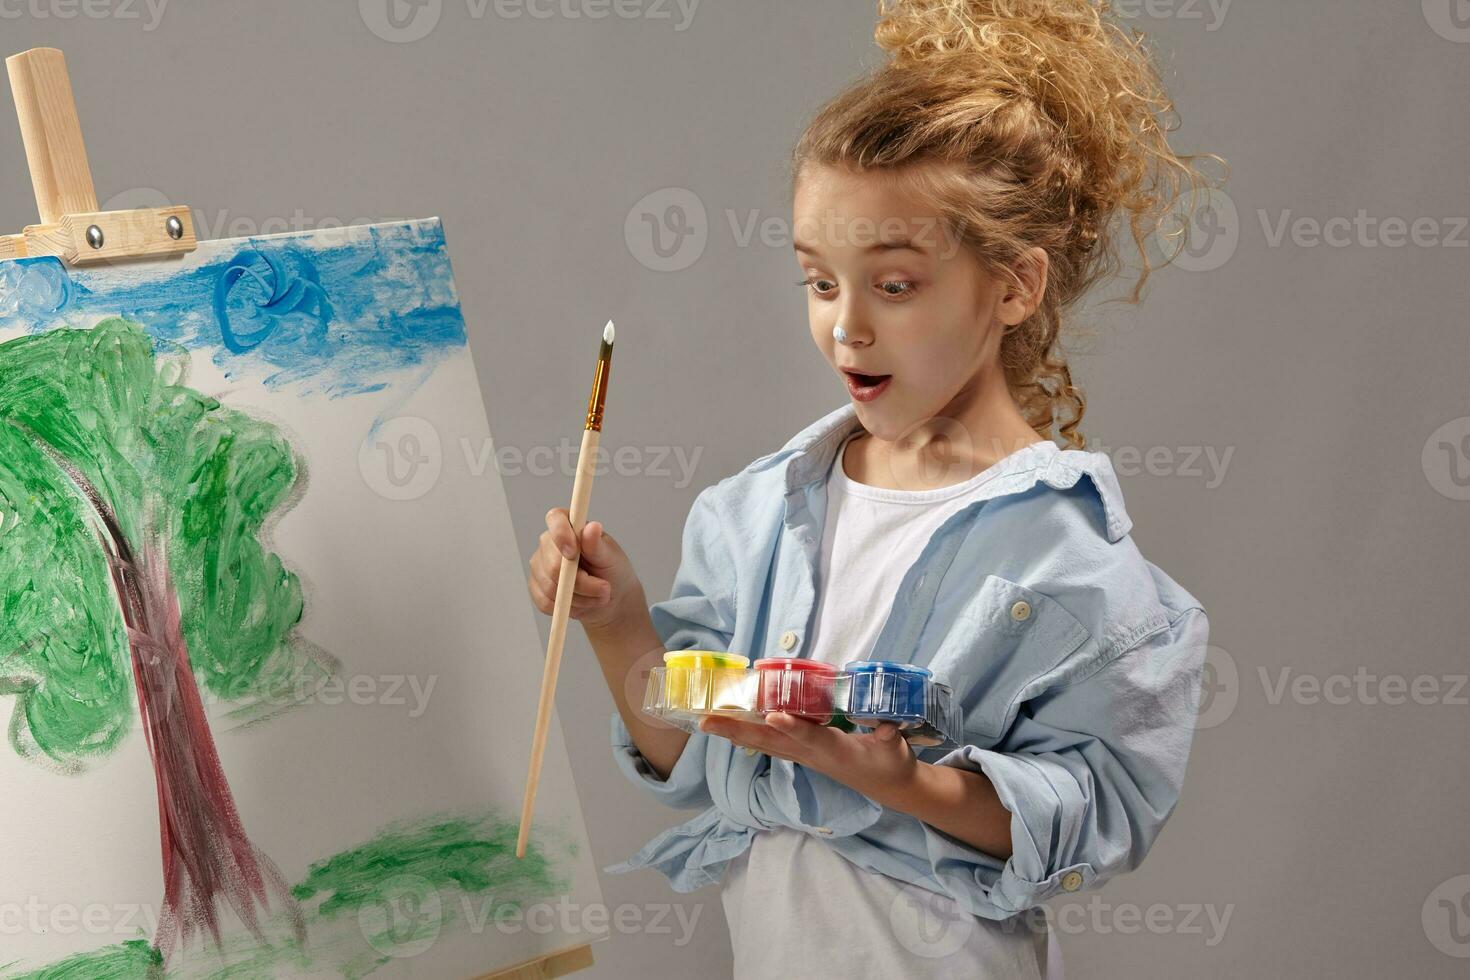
<point>599,391</point>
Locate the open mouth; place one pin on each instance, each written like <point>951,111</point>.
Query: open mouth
<point>866,387</point>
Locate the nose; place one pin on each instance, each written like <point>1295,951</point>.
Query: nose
<point>849,332</point>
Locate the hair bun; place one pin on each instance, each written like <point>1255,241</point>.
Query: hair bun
<point>1015,34</point>
<point>1092,80</point>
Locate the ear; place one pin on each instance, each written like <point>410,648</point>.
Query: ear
<point>1016,305</point>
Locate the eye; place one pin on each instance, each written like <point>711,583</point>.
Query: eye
<point>814,285</point>
<point>905,287</point>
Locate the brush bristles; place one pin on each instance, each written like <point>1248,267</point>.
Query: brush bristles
<point>605,352</point>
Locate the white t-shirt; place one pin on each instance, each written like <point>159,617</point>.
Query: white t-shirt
<point>795,907</point>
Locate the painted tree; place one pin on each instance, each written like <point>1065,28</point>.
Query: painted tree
<point>134,570</point>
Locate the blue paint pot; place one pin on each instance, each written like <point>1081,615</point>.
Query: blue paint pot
<point>885,690</point>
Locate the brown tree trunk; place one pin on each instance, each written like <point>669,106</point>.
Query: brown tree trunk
<point>207,857</point>
<point>208,861</point>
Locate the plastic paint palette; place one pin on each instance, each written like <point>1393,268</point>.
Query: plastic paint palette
<point>883,690</point>
<point>695,683</point>
<point>804,688</point>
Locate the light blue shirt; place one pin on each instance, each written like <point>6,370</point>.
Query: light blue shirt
<point>1075,661</point>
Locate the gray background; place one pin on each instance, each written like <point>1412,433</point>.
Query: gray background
<point>1334,545</point>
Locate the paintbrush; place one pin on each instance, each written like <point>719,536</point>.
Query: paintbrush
<point>560,613</point>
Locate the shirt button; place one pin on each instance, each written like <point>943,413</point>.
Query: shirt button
<point>1071,881</point>
<point>1021,611</point>
<point>823,830</point>
<point>788,640</point>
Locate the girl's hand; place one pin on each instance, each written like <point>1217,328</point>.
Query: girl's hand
<point>606,585</point>
<point>879,764</point>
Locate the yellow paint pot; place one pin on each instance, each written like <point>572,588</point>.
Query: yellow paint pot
<point>703,680</point>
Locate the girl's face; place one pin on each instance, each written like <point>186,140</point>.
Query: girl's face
<point>922,320</point>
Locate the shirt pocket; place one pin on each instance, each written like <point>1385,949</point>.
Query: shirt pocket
<point>998,651</point>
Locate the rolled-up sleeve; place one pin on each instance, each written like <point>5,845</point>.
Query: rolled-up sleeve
<point>698,615</point>
<point>685,787</point>
<point>1090,771</point>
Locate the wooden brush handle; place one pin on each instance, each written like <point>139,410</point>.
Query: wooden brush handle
<point>560,614</point>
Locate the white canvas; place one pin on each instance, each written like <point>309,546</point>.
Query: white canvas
<point>419,657</point>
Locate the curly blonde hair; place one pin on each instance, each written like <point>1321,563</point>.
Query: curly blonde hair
<point>1047,120</point>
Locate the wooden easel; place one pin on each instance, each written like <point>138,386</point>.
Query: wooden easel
<point>72,229</point>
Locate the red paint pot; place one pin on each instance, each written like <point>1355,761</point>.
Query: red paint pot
<point>796,686</point>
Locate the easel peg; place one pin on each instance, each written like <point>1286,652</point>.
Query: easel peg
<point>71,227</point>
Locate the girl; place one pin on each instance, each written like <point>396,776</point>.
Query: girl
<point>948,210</point>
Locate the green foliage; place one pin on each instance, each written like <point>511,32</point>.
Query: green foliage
<point>100,408</point>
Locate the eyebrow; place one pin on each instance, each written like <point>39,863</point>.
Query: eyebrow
<point>898,245</point>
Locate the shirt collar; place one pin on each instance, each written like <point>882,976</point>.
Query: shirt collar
<point>814,448</point>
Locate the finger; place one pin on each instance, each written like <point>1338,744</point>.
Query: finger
<point>711,725</point>
<point>755,735</point>
<point>559,526</point>
<point>592,540</point>
<point>545,601</point>
<point>727,728</point>
<point>544,579</point>
<point>887,732</point>
<point>801,730</point>
<point>590,586</point>
<point>585,585</point>
<point>549,556</point>
<point>538,599</point>
<point>731,728</point>
<point>598,547</point>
